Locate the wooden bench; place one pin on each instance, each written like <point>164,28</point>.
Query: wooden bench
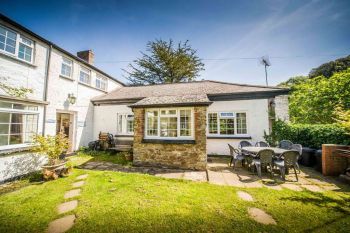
<point>122,145</point>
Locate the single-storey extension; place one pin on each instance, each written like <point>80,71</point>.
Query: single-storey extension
<point>179,124</point>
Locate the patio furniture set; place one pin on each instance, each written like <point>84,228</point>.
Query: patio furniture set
<point>283,157</point>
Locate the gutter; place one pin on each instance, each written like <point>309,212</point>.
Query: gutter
<point>46,84</point>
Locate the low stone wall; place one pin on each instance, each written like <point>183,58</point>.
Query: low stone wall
<point>186,155</point>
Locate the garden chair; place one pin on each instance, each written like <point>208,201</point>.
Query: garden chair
<point>299,148</point>
<point>264,159</point>
<point>287,160</point>
<point>262,144</point>
<point>286,144</point>
<point>236,155</point>
<point>244,144</point>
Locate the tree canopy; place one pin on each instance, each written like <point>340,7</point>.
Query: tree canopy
<point>329,68</point>
<point>165,62</point>
<point>318,100</point>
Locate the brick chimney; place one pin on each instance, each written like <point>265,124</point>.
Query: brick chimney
<point>87,56</point>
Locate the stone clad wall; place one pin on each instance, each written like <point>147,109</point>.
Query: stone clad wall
<point>187,156</point>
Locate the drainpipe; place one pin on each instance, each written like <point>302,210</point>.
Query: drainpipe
<point>46,83</point>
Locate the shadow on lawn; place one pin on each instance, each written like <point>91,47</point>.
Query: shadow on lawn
<point>340,205</point>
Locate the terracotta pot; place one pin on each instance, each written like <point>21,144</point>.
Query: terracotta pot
<point>53,171</point>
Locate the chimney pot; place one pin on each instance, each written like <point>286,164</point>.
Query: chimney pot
<point>87,56</point>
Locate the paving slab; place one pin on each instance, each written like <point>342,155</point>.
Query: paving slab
<point>81,177</point>
<point>78,184</point>
<point>313,188</point>
<point>216,178</point>
<point>67,206</point>
<point>171,175</point>
<point>261,216</point>
<point>292,187</point>
<point>245,196</point>
<point>62,224</point>
<point>72,193</point>
<point>195,176</point>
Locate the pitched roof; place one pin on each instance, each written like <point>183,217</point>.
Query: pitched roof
<point>185,100</point>
<point>205,87</point>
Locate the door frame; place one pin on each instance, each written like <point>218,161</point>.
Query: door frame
<point>73,134</point>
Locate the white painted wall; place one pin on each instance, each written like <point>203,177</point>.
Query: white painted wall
<point>18,73</point>
<point>58,90</point>
<point>105,118</point>
<point>257,122</point>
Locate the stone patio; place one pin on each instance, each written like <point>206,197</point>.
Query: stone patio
<point>219,173</point>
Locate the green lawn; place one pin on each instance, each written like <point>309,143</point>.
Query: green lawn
<point>123,202</point>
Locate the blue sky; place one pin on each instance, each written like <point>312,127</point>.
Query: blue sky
<point>297,35</point>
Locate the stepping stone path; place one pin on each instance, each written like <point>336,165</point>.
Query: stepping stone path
<point>245,196</point>
<point>63,224</point>
<point>78,184</point>
<point>72,193</point>
<point>67,206</point>
<point>261,217</point>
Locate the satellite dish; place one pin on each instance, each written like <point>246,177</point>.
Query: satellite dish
<point>265,61</point>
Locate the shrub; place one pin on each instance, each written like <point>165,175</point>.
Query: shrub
<point>308,135</point>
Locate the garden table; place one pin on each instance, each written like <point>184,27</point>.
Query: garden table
<point>253,150</point>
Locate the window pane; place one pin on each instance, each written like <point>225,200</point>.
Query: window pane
<point>185,123</point>
<point>17,118</point>
<point>168,112</point>
<point>241,123</point>
<point>152,123</point>
<point>4,128</point>
<point>16,139</point>
<point>120,123</point>
<point>4,117</point>
<point>213,123</point>
<point>227,126</point>
<point>130,125</point>
<point>5,105</point>
<point>7,40</point>
<point>168,126</point>
<point>4,140</point>
<point>84,76</point>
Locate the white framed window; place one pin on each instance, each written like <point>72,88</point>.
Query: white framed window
<point>85,75</point>
<point>125,123</point>
<point>66,67</point>
<point>15,44</point>
<point>101,83</point>
<point>18,123</point>
<point>227,123</point>
<point>173,123</point>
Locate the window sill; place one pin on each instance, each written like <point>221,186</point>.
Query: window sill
<point>65,77</point>
<point>228,137</point>
<point>15,148</point>
<point>169,141</point>
<point>17,59</point>
<point>88,85</point>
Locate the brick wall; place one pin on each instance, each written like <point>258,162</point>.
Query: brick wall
<point>187,156</point>
<point>332,163</point>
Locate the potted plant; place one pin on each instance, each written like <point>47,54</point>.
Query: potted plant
<point>52,147</point>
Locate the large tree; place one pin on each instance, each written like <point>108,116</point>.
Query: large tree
<point>165,62</point>
<point>329,68</point>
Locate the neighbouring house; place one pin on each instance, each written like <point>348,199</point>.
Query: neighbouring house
<point>63,85</point>
<point>169,124</point>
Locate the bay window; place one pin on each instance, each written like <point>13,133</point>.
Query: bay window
<point>15,44</point>
<point>125,123</point>
<point>227,123</point>
<point>172,123</point>
<point>18,123</point>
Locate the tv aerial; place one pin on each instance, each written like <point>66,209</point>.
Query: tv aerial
<point>265,61</point>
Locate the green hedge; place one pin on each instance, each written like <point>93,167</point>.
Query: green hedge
<point>308,135</point>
